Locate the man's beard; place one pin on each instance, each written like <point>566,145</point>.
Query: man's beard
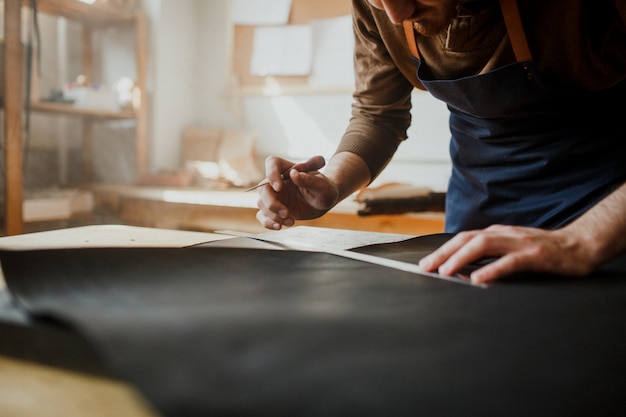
<point>436,24</point>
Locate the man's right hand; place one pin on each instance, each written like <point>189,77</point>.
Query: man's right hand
<point>304,194</point>
<point>307,195</point>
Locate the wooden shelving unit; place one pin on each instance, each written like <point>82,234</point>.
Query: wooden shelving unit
<point>96,13</point>
<point>68,109</point>
<point>92,17</point>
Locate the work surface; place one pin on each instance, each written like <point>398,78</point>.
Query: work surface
<point>217,329</point>
<point>206,210</point>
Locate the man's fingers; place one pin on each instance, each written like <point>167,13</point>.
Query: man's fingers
<point>434,261</point>
<point>274,216</point>
<point>274,169</point>
<point>505,265</point>
<point>267,222</point>
<point>310,165</point>
<point>477,247</point>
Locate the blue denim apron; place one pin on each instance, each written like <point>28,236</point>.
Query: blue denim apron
<point>526,151</point>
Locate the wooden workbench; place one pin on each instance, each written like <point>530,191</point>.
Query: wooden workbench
<point>210,210</point>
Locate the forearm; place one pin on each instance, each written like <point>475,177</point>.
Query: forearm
<point>600,234</point>
<point>382,94</point>
<point>348,172</point>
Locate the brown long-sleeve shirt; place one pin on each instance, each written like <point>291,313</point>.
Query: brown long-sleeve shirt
<point>579,43</point>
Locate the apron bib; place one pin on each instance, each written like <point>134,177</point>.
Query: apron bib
<point>522,150</point>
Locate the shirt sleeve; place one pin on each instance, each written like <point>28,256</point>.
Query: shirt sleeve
<point>382,97</point>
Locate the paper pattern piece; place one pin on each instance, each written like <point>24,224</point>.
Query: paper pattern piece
<point>256,12</point>
<point>332,238</point>
<point>334,246</point>
<point>283,50</point>
<point>107,236</point>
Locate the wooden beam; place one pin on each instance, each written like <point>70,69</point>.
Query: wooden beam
<point>13,105</point>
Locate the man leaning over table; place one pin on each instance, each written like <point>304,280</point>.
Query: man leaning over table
<point>537,96</point>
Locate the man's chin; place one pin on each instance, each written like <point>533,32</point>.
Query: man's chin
<point>428,28</point>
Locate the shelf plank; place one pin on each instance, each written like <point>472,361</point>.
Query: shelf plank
<point>97,13</point>
<point>68,109</point>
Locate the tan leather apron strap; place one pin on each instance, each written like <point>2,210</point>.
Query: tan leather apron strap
<point>514,27</point>
<point>409,33</point>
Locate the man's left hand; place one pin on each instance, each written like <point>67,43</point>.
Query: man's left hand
<point>515,248</point>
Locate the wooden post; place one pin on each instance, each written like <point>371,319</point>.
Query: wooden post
<point>87,150</point>
<point>87,55</point>
<point>13,105</point>
<point>141,111</point>
<point>87,124</point>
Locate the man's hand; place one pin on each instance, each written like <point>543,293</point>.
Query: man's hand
<point>307,195</point>
<point>515,249</point>
<point>294,191</point>
<point>577,249</point>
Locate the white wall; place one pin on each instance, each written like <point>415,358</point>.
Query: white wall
<point>174,74</point>
<point>191,41</point>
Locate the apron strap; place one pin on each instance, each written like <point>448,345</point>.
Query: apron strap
<point>409,33</point>
<point>514,27</point>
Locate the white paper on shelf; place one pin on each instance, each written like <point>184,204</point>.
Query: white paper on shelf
<point>257,13</point>
<point>282,50</point>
